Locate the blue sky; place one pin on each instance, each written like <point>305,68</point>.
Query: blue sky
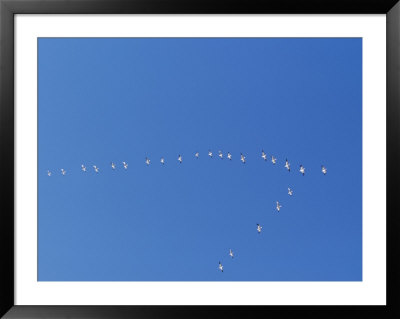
<point>103,100</point>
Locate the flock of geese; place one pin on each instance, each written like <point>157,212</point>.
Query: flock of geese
<point>302,170</point>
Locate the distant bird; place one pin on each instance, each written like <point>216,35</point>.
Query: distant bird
<point>273,160</point>
<point>162,160</point>
<point>147,161</point>
<point>287,165</point>
<point>323,169</point>
<point>125,165</point>
<point>263,155</point>
<point>229,156</point>
<point>48,173</point>
<point>180,158</point>
<point>112,165</point>
<point>259,227</point>
<point>290,191</point>
<point>220,154</point>
<point>63,171</point>
<point>96,169</point>
<point>230,252</point>
<point>210,153</point>
<point>197,154</point>
<point>220,267</point>
<point>278,206</point>
<point>302,169</point>
<point>242,158</point>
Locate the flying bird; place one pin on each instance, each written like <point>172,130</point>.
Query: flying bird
<point>242,158</point>
<point>125,165</point>
<point>210,153</point>
<point>278,206</point>
<point>323,169</point>
<point>220,154</point>
<point>147,161</point>
<point>230,252</point>
<point>287,165</point>
<point>220,267</point>
<point>229,156</point>
<point>302,169</point>
<point>96,169</point>
<point>63,171</point>
<point>48,173</point>
<point>273,160</point>
<point>83,167</point>
<point>263,155</point>
<point>259,227</point>
<point>290,191</point>
<point>197,154</point>
<point>180,158</point>
<point>112,165</point>
<point>162,160</point>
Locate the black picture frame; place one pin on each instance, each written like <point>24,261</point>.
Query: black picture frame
<point>8,8</point>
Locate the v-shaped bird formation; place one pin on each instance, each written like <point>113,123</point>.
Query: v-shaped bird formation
<point>229,156</point>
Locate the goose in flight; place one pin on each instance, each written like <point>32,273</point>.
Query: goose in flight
<point>290,191</point>
<point>112,165</point>
<point>273,160</point>
<point>259,227</point>
<point>287,165</point>
<point>125,165</point>
<point>210,153</point>
<point>63,171</point>
<point>230,252</point>
<point>323,169</point>
<point>197,154</point>
<point>162,161</point>
<point>220,154</point>
<point>278,206</point>
<point>263,155</point>
<point>180,158</point>
<point>96,169</point>
<point>48,173</point>
<point>229,156</point>
<point>242,158</point>
<point>220,267</point>
<point>302,169</point>
<point>147,161</point>
<point>83,167</point>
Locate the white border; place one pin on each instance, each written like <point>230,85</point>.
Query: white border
<point>372,290</point>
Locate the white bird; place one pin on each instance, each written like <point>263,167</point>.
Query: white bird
<point>229,156</point>
<point>162,160</point>
<point>125,165</point>
<point>273,160</point>
<point>96,169</point>
<point>180,158</point>
<point>230,252</point>
<point>323,169</point>
<point>197,154</point>
<point>147,161</point>
<point>83,167</point>
<point>48,173</point>
<point>302,169</point>
<point>210,153</point>
<point>220,267</point>
<point>263,155</point>
<point>290,191</point>
<point>220,154</point>
<point>242,158</point>
<point>259,227</point>
<point>112,165</point>
<point>287,165</point>
<point>278,206</point>
<point>63,171</point>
